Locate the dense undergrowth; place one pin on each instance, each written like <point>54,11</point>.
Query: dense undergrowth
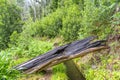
<point>103,65</point>
<point>68,20</point>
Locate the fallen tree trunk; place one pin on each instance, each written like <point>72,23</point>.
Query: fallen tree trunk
<point>60,54</point>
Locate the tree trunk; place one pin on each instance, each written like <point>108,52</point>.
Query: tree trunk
<point>73,71</point>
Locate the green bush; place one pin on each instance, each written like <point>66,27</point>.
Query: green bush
<point>52,24</point>
<point>25,45</point>
<point>71,23</point>
<point>6,63</point>
<point>59,72</point>
<point>48,26</point>
<point>96,19</point>
<point>10,20</point>
<point>37,47</point>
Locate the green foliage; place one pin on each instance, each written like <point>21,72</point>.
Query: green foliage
<point>28,46</point>
<point>54,5</point>
<point>20,50</point>
<point>37,47</point>
<point>59,72</point>
<point>96,20</point>
<point>6,63</point>
<point>102,74</point>
<point>64,22</point>
<point>71,23</point>
<point>116,19</point>
<point>59,76</point>
<point>10,21</point>
<point>102,66</point>
<point>52,24</point>
<point>73,20</point>
<point>48,26</point>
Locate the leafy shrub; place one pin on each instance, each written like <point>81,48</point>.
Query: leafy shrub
<point>10,21</point>
<point>59,72</point>
<point>52,24</point>
<point>71,23</point>
<point>20,51</point>
<point>116,23</point>
<point>116,18</point>
<point>24,45</point>
<point>6,63</point>
<point>96,19</point>
<point>48,26</point>
<point>37,47</point>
